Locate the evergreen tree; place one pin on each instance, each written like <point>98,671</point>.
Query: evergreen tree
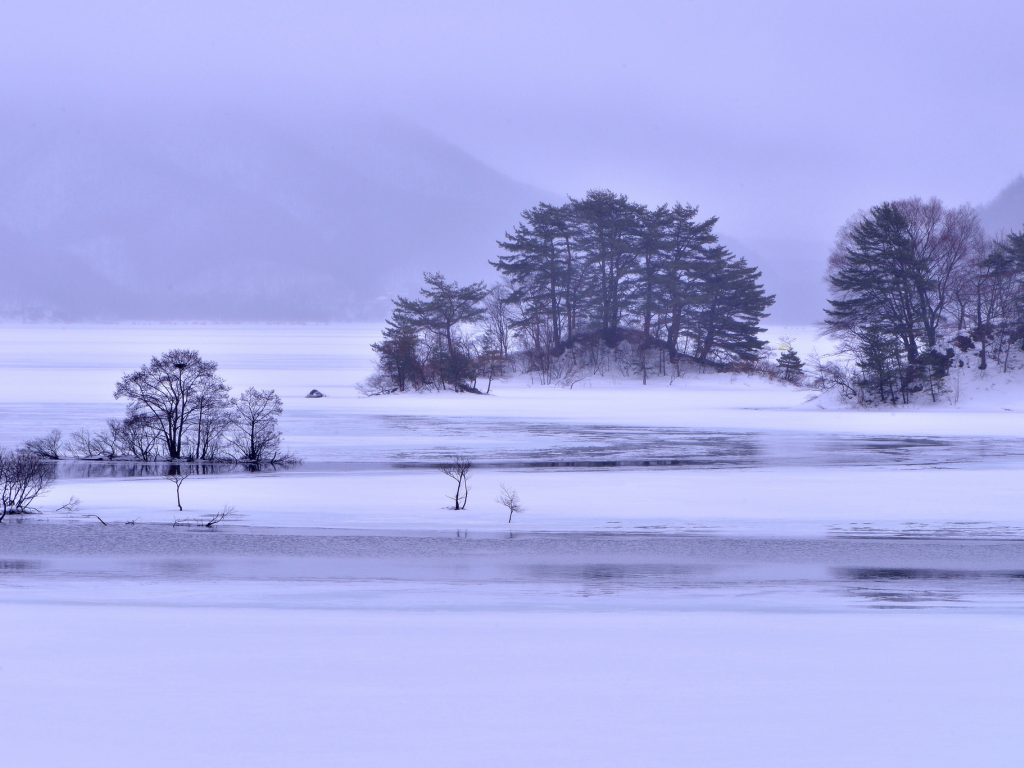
<point>398,359</point>
<point>652,250</point>
<point>728,303</point>
<point>599,270</point>
<point>1004,273</point>
<point>540,263</point>
<point>791,365</point>
<point>444,308</point>
<point>881,360</point>
<point>876,281</point>
<point>609,230</point>
<point>686,240</point>
<point>603,263</point>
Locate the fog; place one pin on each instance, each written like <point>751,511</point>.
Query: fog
<point>305,161</point>
<point>219,215</point>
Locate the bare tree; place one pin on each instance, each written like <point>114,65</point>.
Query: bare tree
<point>85,444</point>
<point>943,240</point>
<point>47,447</point>
<point>135,436</point>
<point>458,469</point>
<point>254,436</point>
<point>498,317</point>
<point>491,361</point>
<point>23,477</point>
<point>212,419</point>
<point>509,499</point>
<point>178,389</point>
<point>179,473</point>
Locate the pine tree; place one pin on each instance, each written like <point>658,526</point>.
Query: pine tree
<point>609,231</point>
<point>444,308</point>
<point>877,280</point>
<point>791,365</point>
<point>728,303</point>
<point>685,242</point>
<point>652,248</point>
<point>540,263</point>
<point>882,364</point>
<point>398,358</point>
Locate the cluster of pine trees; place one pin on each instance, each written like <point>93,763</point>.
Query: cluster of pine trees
<point>918,287</point>
<point>595,281</point>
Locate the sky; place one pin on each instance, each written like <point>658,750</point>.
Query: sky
<point>782,118</point>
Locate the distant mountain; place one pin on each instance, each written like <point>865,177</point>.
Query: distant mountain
<point>793,270</point>
<point>1006,212</point>
<point>235,218</point>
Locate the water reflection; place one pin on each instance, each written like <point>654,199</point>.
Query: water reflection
<point>923,587</point>
<point>423,441</point>
<point>72,469</point>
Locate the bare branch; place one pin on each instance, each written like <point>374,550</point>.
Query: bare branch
<point>72,505</point>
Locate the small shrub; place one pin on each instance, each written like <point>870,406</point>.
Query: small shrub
<point>23,478</point>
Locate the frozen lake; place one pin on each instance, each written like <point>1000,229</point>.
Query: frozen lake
<point>714,572</point>
<point>720,453</point>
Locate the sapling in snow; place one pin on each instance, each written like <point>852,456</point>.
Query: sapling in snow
<point>178,474</point>
<point>457,468</point>
<point>509,499</point>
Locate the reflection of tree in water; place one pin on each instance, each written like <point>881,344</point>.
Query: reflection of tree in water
<point>519,444</point>
<point>73,470</point>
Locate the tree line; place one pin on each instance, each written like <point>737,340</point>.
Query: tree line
<point>917,288</point>
<point>595,282</point>
<point>179,409</point>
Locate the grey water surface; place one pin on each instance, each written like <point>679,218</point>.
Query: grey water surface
<point>358,442</point>
<point>148,564</point>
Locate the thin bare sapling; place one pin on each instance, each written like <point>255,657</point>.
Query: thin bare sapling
<point>178,474</point>
<point>509,499</point>
<point>458,469</point>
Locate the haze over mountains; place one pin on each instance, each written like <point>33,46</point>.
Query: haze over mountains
<point>194,160</point>
<point>189,217</point>
<point>156,215</point>
<point>1006,212</point>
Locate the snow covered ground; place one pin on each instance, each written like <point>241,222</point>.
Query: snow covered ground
<point>716,572</point>
<point>158,686</point>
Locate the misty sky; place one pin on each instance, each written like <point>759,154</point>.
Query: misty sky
<point>782,118</point>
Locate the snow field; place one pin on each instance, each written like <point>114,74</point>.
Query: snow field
<point>145,662</point>
<point>159,687</point>
<point>787,501</point>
